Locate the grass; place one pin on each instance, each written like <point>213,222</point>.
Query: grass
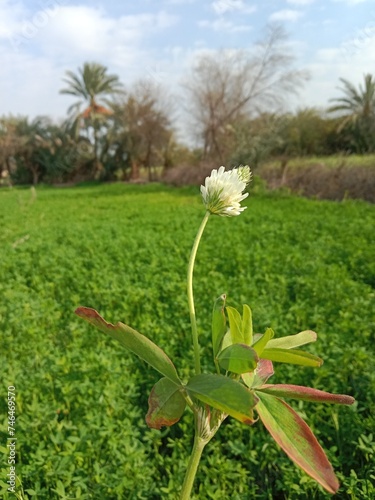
<point>332,161</point>
<point>81,399</point>
<point>331,177</point>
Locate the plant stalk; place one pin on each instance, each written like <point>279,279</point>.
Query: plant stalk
<point>193,321</point>
<point>192,468</point>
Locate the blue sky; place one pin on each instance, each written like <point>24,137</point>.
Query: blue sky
<point>41,39</point>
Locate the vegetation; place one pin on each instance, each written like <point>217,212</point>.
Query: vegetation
<point>90,85</point>
<point>231,87</point>
<point>329,177</point>
<point>122,249</point>
<point>233,101</point>
<point>141,132</point>
<point>358,110</point>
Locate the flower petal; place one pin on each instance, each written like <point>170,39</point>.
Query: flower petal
<point>222,192</point>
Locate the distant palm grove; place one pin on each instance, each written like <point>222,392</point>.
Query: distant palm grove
<point>233,104</point>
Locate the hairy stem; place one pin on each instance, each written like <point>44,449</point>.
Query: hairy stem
<point>192,468</point>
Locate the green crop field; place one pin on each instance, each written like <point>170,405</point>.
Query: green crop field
<point>81,398</point>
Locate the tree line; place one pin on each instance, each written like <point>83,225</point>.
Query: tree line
<point>233,101</point>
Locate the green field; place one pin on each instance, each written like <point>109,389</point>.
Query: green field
<point>81,399</point>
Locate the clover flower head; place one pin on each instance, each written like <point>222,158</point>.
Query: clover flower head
<point>244,173</point>
<point>223,191</point>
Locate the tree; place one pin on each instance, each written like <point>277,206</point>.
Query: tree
<point>357,112</point>
<point>143,128</point>
<point>232,85</point>
<point>32,151</point>
<point>40,153</point>
<point>29,138</point>
<point>308,132</point>
<point>10,143</point>
<point>93,85</point>
<point>255,139</point>
<point>62,157</point>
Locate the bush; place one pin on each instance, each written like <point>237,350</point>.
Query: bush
<point>347,178</point>
<point>188,175</point>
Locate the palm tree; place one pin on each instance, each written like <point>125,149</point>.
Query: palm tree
<point>94,86</point>
<point>358,112</point>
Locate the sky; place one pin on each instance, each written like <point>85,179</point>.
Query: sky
<point>159,39</point>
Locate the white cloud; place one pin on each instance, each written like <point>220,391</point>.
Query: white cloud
<point>179,2</point>
<point>224,25</point>
<point>79,27</point>
<point>31,85</point>
<point>328,66</point>
<point>351,2</point>
<point>77,33</point>
<point>10,17</point>
<point>286,15</point>
<point>300,2</point>
<point>36,50</point>
<point>83,33</point>
<point>223,6</point>
<point>37,47</point>
<point>359,40</point>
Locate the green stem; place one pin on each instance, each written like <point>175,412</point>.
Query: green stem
<point>193,321</point>
<point>195,457</point>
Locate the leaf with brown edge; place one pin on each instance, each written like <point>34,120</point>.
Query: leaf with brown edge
<point>166,404</point>
<point>134,341</point>
<point>305,393</point>
<point>261,374</point>
<point>225,394</point>
<point>295,437</point>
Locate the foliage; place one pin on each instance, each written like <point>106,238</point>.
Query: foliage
<point>306,133</point>
<point>40,151</point>
<point>141,130</point>
<point>93,85</point>
<point>357,112</point>
<point>81,401</point>
<point>233,98</point>
<point>329,177</point>
<point>10,142</point>
<point>245,358</point>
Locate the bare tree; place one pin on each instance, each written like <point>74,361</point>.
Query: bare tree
<point>229,85</point>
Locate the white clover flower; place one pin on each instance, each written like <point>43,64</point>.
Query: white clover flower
<point>244,173</point>
<point>223,191</point>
